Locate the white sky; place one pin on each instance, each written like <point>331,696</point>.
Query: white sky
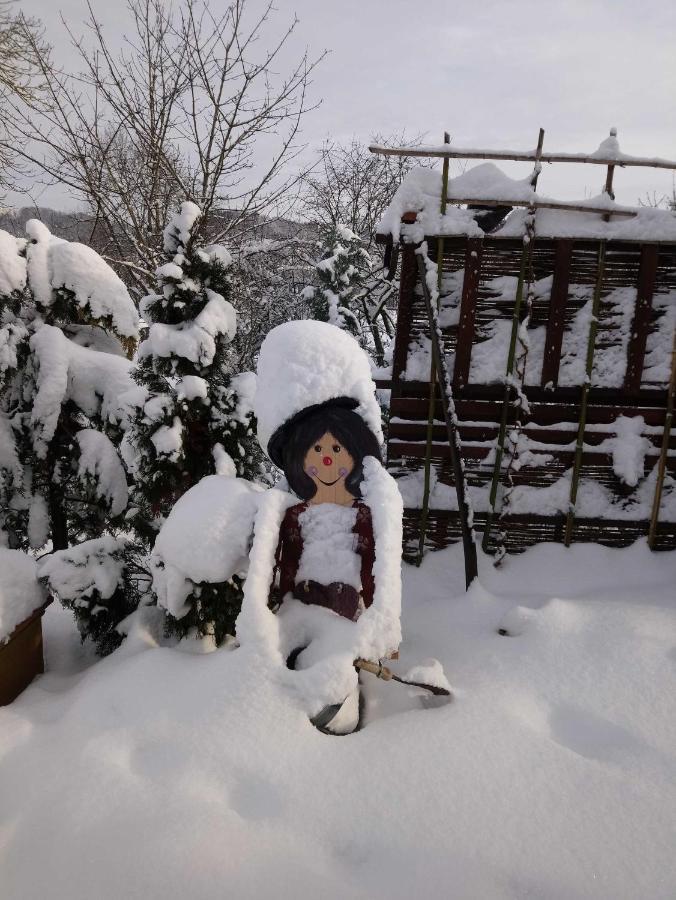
<point>491,72</point>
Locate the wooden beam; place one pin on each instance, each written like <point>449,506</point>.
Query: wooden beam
<point>557,308</point>
<point>468,301</point>
<point>407,282</point>
<point>623,211</point>
<point>524,156</point>
<point>647,274</point>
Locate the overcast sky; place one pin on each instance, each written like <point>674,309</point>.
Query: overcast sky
<point>491,72</point>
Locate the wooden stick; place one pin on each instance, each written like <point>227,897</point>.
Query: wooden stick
<point>432,394</point>
<point>523,156</point>
<point>662,465</point>
<point>591,343</point>
<point>450,420</point>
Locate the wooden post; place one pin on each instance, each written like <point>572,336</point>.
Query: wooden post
<point>450,420</point>
<point>662,465</point>
<point>409,277</point>
<point>647,274</point>
<point>591,343</point>
<point>432,395</point>
<point>557,310</point>
<point>468,301</point>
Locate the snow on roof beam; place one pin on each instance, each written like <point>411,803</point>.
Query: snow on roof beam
<point>444,152</point>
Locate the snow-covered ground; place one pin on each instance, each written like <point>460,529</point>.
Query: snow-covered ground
<point>170,774</point>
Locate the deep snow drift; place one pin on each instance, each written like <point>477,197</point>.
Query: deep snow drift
<point>163,773</point>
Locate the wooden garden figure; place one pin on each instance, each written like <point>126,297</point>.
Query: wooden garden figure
<point>326,553</point>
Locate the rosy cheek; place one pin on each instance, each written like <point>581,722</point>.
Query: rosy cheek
<point>342,472</point>
<point>312,471</point>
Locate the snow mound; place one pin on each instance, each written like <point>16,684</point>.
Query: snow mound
<point>205,538</point>
<point>20,591</point>
<point>488,182</point>
<point>551,775</point>
<point>305,363</point>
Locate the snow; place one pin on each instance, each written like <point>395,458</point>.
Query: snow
<point>551,774</point>
<point>177,232</point>
<point>92,566</point>
<point>195,340</point>
<point>54,263</point>
<point>488,182</point>
<point>306,363</point>
<point>420,192</point>
<point>168,440</point>
<point>100,461</point>
<point>421,189</point>
<point>94,381</point>
<point>9,459</point>
<point>39,523</point>
<point>328,545</point>
<point>225,464</point>
<point>20,592</point>
<point>646,225</point>
<point>192,387</point>
<point>12,264</point>
<point>629,449</point>
<point>205,538</point>
<point>217,252</point>
<point>11,337</point>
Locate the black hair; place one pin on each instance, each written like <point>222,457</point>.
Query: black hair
<point>346,426</point>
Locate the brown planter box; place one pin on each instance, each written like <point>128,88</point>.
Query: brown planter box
<point>21,656</point>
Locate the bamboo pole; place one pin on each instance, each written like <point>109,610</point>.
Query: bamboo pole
<point>662,465</point>
<point>451,422</point>
<point>591,344</point>
<point>424,514</point>
<point>526,257</point>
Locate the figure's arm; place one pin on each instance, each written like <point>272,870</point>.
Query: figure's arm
<point>287,557</point>
<point>366,548</point>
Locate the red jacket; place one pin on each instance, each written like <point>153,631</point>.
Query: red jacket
<point>342,598</point>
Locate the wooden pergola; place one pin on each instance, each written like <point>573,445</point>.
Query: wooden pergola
<point>465,430</point>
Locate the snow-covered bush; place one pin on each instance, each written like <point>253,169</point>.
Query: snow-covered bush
<point>92,580</point>
<point>195,418</point>
<point>200,556</point>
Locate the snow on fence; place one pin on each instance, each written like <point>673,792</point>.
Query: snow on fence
<point>588,452</point>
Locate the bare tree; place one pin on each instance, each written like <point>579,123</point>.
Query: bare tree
<point>352,186</point>
<point>19,37</point>
<point>180,113</point>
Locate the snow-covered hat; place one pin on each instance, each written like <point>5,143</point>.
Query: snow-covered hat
<point>306,365</point>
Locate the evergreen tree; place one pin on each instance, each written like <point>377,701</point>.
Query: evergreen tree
<point>196,417</point>
<point>66,324</point>
<point>342,268</point>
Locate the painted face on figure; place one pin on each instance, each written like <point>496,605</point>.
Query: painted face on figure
<point>328,464</point>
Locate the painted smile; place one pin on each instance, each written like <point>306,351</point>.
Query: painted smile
<point>327,483</point>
